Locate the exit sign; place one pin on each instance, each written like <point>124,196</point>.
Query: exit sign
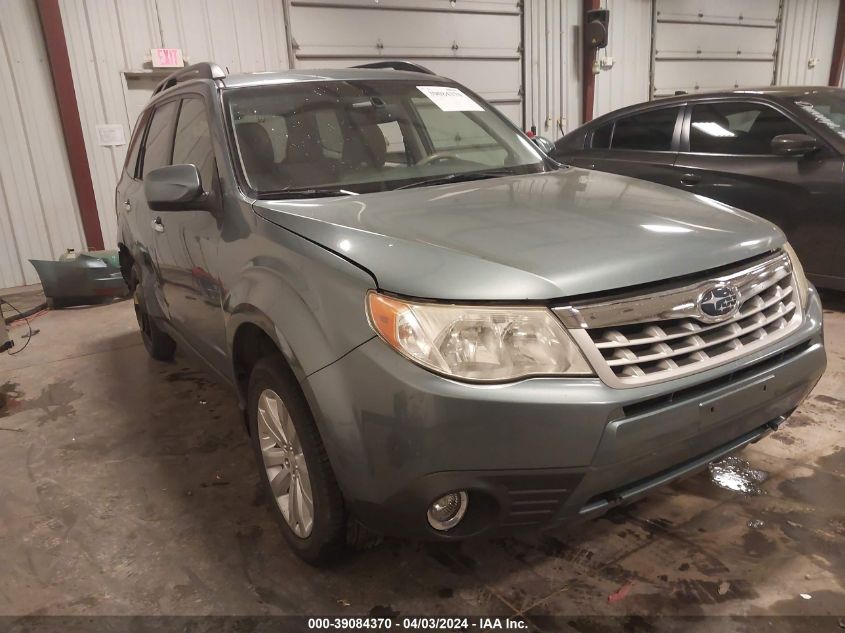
<point>167,57</point>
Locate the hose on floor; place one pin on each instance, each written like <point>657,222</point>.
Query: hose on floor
<point>25,314</point>
<point>22,315</point>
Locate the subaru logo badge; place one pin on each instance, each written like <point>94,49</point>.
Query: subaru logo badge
<point>719,302</point>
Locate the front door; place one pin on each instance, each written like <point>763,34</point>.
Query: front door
<point>727,156</point>
<point>187,243</point>
<point>156,153</point>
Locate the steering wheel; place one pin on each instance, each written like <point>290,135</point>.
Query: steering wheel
<point>436,157</point>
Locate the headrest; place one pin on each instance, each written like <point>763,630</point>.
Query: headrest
<point>255,145</point>
<point>366,147</point>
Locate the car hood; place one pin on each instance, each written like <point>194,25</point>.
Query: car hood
<point>542,236</point>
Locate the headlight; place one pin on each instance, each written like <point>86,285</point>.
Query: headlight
<point>477,342</point>
<point>798,274</point>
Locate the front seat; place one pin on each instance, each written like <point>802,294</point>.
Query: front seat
<point>304,163</point>
<point>257,156</point>
<point>366,148</point>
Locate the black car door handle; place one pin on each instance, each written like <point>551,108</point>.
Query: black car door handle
<point>158,225</point>
<point>688,180</point>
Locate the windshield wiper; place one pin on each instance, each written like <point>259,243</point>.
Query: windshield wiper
<point>312,192</point>
<point>461,177</point>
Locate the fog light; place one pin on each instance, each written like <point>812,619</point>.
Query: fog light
<point>448,510</point>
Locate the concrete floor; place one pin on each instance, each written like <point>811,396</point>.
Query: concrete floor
<point>128,487</point>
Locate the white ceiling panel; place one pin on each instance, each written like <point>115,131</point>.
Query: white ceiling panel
<point>713,45</point>
<point>709,75</point>
<point>691,41</point>
<point>476,43</point>
<point>748,12</point>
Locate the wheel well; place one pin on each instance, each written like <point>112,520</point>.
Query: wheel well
<point>126,262</point>
<point>250,345</point>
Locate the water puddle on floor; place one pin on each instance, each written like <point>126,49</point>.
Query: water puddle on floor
<point>737,475</point>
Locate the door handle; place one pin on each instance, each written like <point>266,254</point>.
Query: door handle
<point>127,205</point>
<point>688,180</point>
<point>158,226</point>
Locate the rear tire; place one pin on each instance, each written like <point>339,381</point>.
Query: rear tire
<point>293,464</point>
<point>158,344</point>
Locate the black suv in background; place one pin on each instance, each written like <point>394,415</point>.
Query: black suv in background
<point>777,152</point>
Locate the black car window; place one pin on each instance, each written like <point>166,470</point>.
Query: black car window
<point>737,128</point>
<point>130,166</point>
<point>650,131</point>
<point>601,136</point>
<point>825,108</point>
<point>193,140</point>
<point>159,138</point>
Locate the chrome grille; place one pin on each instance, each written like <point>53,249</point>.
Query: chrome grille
<point>647,338</point>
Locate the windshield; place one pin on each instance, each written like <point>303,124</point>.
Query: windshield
<point>363,136</point>
<point>826,108</point>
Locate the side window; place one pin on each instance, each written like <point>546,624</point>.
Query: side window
<point>192,145</point>
<point>737,128</point>
<point>649,131</point>
<point>601,136</point>
<point>130,166</point>
<point>159,138</point>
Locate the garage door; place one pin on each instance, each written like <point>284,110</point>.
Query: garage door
<point>714,44</point>
<point>475,42</point>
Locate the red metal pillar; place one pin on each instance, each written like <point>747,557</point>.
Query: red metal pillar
<point>54,40</point>
<point>588,55</point>
<point>837,64</point>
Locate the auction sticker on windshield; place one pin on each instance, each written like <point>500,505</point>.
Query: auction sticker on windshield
<point>449,99</point>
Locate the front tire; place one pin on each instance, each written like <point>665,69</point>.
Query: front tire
<point>158,344</point>
<point>293,463</point>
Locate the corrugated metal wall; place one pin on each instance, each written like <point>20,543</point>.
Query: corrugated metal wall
<point>109,42</point>
<point>39,217</point>
<point>807,31</point>
<point>552,44</point>
<point>629,44</point>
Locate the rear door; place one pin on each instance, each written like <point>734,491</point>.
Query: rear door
<point>155,153</point>
<point>129,188</point>
<point>726,155</point>
<point>641,145</point>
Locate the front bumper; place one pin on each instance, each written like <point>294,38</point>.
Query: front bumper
<point>541,451</point>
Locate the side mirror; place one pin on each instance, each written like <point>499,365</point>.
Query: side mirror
<point>545,145</point>
<point>173,188</point>
<point>794,144</point>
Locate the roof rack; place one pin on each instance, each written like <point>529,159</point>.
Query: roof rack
<point>203,70</point>
<point>397,64</point>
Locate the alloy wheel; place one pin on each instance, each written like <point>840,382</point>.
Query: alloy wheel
<point>285,464</point>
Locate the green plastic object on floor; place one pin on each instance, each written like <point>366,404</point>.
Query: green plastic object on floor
<point>81,278</point>
<point>112,258</point>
